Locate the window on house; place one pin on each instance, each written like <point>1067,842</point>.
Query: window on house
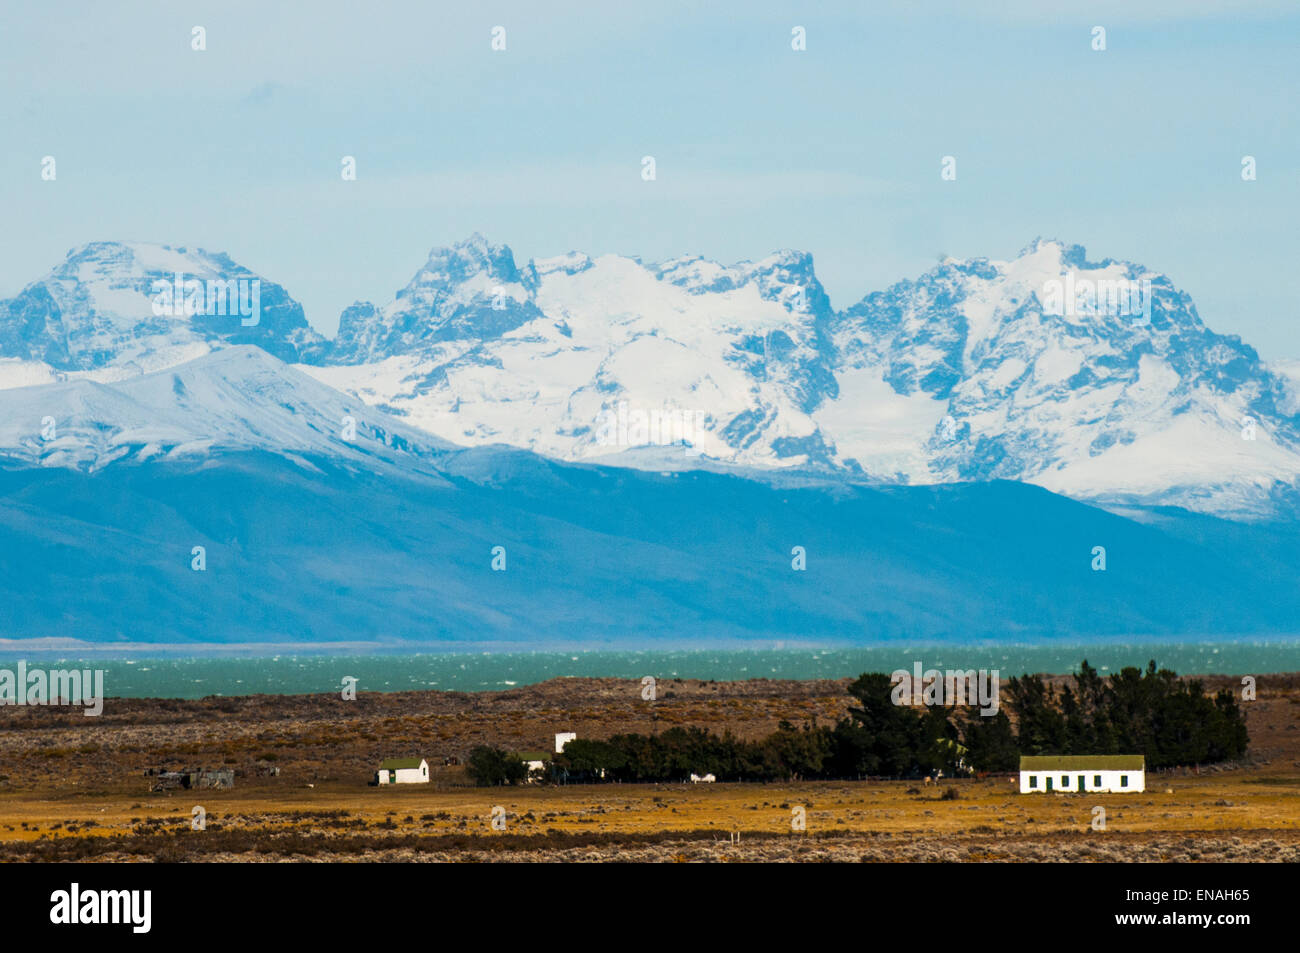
<point>1096,780</point>
<point>1033,780</point>
<point>1123,780</point>
<point>1065,781</point>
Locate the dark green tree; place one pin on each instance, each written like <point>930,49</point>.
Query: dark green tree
<point>489,767</point>
<point>990,742</point>
<point>592,759</point>
<point>893,733</point>
<point>1041,728</point>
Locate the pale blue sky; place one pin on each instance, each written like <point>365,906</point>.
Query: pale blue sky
<point>1134,152</point>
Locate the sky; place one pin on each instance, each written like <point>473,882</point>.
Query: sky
<point>1134,152</point>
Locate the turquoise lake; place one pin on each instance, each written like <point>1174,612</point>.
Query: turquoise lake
<point>291,674</point>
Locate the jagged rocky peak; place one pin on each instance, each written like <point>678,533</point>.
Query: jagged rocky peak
<point>472,290</point>
<point>137,305</point>
<point>451,267</point>
<point>787,276</point>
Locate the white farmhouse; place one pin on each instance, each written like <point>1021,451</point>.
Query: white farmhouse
<point>403,771</point>
<point>1101,773</point>
<point>562,738</point>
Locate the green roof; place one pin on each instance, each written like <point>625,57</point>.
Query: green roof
<point>1084,762</point>
<point>395,764</point>
<point>533,756</point>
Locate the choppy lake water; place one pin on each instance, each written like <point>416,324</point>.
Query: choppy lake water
<point>291,674</point>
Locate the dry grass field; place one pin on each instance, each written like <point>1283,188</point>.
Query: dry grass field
<point>76,788</point>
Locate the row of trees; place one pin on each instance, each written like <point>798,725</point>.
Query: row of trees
<point>1151,713</point>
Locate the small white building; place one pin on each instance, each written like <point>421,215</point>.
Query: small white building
<point>562,738</point>
<point>403,771</point>
<point>534,764</point>
<point>1072,774</point>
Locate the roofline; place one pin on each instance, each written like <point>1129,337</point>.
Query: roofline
<point>1083,762</point>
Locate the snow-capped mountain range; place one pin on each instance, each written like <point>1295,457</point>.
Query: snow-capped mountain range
<point>977,370</point>
<point>836,475</point>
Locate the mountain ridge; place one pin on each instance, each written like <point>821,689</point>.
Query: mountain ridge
<point>512,549</point>
<point>965,373</point>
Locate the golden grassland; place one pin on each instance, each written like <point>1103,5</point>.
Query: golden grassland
<point>1241,814</point>
<point>92,800</point>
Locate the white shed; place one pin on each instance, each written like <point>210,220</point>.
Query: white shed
<point>403,771</point>
<point>535,764</point>
<point>1100,773</point>
<point>562,738</point>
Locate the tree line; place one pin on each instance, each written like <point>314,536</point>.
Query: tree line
<point>1149,712</point>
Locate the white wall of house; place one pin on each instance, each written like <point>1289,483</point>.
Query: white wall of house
<point>418,775</point>
<point>1102,782</point>
<point>562,738</point>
